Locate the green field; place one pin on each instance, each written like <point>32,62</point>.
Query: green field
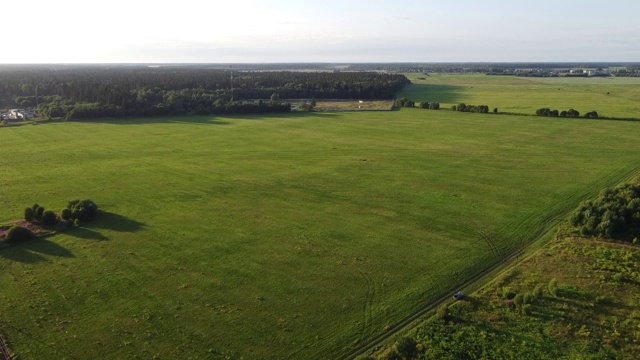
<point>611,97</point>
<point>292,236</point>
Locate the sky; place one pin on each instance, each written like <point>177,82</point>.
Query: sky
<point>335,31</point>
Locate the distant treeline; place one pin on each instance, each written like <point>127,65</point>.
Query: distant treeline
<point>96,91</point>
<point>480,67</point>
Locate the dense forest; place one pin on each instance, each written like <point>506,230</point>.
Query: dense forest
<point>85,91</point>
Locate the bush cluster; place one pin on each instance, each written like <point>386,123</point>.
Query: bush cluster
<point>615,213</point>
<point>404,102</point>
<point>462,107</point>
<point>572,113</point>
<point>75,212</point>
<point>82,210</point>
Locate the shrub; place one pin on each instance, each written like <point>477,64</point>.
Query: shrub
<point>39,213</point>
<point>66,214</point>
<point>537,292</point>
<point>29,214</point>
<point>553,287</point>
<point>83,210</point>
<point>526,309</point>
<point>18,234</point>
<point>35,207</point>
<point>407,347</point>
<point>518,300</point>
<point>48,218</point>
<point>527,298</point>
<point>507,293</point>
<point>443,312</point>
<point>400,102</point>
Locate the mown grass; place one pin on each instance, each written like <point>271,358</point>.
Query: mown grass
<point>291,236</point>
<point>611,97</point>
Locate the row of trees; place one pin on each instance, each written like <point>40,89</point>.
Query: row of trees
<point>462,107</point>
<point>404,102</point>
<point>182,105</point>
<point>175,90</point>
<point>572,113</point>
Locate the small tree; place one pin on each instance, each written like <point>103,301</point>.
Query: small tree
<point>66,214</point>
<point>39,212</point>
<point>18,234</point>
<point>400,102</point>
<point>407,347</point>
<point>29,214</point>
<point>83,210</point>
<point>275,98</point>
<point>48,218</point>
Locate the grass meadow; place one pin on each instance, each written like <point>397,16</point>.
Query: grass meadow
<point>610,96</point>
<point>291,236</point>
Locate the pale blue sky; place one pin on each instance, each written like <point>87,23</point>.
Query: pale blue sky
<point>250,31</point>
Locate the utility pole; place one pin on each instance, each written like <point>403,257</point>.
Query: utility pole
<point>231,68</point>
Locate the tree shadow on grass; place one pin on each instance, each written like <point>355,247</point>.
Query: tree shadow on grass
<point>114,222</point>
<point>433,92</point>
<point>34,251</point>
<point>85,233</point>
<point>192,120</point>
<point>196,119</point>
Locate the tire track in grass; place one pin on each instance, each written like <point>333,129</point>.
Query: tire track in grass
<point>368,304</point>
<point>492,245</point>
<point>4,350</point>
<point>548,223</point>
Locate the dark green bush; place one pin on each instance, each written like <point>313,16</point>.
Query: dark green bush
<point>66,214</point>
<point>49,218</point>
<point>407,347</point>
<point>83,210</point>
<point>615,213</point>
<point>507,293</point>
<point>29,214</point>
<point>18,234</point>
<point>518,300</point>
<point>39,213</point>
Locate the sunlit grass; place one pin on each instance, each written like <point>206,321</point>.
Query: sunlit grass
<point>290,236</point>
